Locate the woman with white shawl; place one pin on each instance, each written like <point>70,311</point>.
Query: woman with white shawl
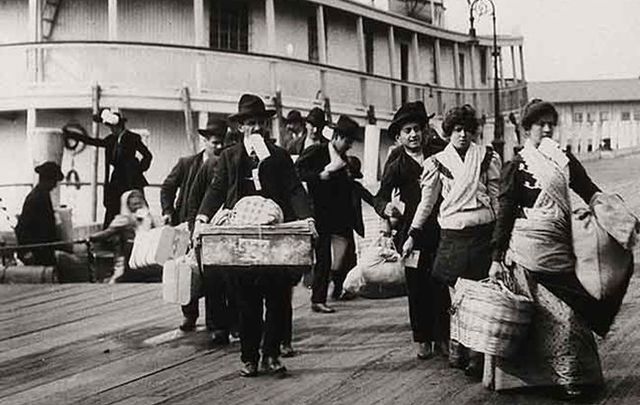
<point>464,179</point>
<point>533,232</point>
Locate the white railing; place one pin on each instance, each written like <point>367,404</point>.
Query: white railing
<point>143,69</point>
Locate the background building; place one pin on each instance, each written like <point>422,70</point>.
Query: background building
<point>167,64</point>
<point>595,114</point>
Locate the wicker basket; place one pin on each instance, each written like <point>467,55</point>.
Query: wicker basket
<point>489,318</point>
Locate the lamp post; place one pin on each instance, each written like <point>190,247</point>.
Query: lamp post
<point>498,124</point>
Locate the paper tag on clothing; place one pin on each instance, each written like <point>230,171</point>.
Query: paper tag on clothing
<point>412,259</point>
<point>256,179</point>
<point>551,149</point>
<point>258,145</point>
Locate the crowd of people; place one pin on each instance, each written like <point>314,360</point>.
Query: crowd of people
<point>466,214</point>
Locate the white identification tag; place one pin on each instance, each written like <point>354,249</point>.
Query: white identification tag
<point>412,259</point>
<point>256,179</point>
<point>257,142</point>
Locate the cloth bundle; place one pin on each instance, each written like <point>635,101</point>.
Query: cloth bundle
<point>603,238</point>
<point>379,271</point>
<point>255,210</point>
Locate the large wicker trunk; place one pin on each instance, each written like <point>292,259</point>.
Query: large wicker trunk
<point>285,245</point>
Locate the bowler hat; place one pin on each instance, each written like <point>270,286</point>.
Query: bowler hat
<point>409,112</point>
<point>50,170</point>
<point>347,128</point>
<point>316,117</point>
<point>215,126</point>
<point>251,105</point>
<point>293,116</point>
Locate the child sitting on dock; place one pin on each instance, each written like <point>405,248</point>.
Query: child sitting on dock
<point>134,217</point>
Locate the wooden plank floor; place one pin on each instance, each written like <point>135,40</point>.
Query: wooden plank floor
<point>118,344</point>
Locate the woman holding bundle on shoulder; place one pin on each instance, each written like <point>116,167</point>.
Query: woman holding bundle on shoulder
<point>534,233</point>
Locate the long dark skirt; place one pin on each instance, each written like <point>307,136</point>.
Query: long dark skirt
<point>463,253</point>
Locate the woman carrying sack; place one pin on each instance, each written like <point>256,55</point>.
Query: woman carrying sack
<point>533,230</point>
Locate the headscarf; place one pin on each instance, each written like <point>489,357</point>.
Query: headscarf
<point>139,220</point>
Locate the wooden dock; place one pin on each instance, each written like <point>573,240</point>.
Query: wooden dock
<point>119,344</point>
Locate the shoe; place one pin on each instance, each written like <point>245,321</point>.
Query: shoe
<point>219,339</point>
<point>188,325</point>
<point>322,308</point>
<point>287,351</point>
<point>441,348</point>
<point>234,337</point>
<point>249,369</point>
<point>458,357</point>
<point>273,366</point>
<point>347,296</point>
<point>424,350</point>
<point>475,368</point>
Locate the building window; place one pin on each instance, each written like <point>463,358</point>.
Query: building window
<point>368,49</point>
<point>626,116</point>
<point>577,117</point>
<point>636,115</point>
<point>229,26</point>
<point>483,65</point>
<point>590,117</point>
<point>312,35</point>
<point>604,116</point>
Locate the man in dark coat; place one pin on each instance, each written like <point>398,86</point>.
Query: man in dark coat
<point>314,123</point>
<point>37,223</point>
<point>121,147</point>
<point>175,211</point>
<point>243,170</point>
<point>428,299</point>
<point>181,178</point>
<point>294,125</point>
<point>325,169</point>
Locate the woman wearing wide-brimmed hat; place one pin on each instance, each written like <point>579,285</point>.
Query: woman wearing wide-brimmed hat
<point>428,299</point>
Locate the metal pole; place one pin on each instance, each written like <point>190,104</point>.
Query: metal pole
<point>498,141</point>
<point>95,133</point>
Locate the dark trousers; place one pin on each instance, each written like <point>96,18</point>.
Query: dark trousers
<point>429,304</point>
<point>287,332</point>
<point>322,273</point>
<point>220,304</point>
<point>255,292</point>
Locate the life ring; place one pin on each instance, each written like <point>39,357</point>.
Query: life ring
<point>71,142</point>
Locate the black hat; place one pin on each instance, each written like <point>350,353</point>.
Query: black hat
<point>251,105</point>
<point>535,109</point>
<point>347,128</point>
<point>50,170</point>
<point>293,116</point>
<point>409,112</point>
<point>215,126</point>
<point>100,119</point>
<point>354,166</point>
<point>316,117</point>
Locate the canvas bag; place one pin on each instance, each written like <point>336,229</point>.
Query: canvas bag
<point>181,280</point>
<point>603,237</point>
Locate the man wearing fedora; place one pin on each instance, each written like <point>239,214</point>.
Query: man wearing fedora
<point>314,124</point>
<point>325,169</point>
<point>176,210</point>
<point>428,300</point>
<point>255,167</point>
<point>121,147</point>
<point>295,126</point>
<point>37,223</point>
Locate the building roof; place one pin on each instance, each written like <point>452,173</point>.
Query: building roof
<point>592,91</point>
